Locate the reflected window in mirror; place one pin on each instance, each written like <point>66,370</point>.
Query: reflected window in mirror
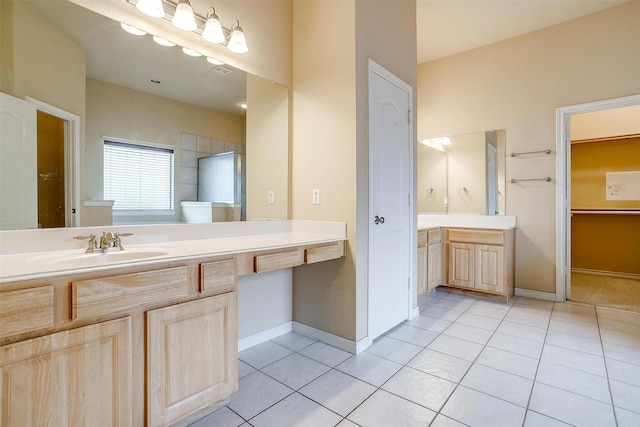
<point>138,177</point>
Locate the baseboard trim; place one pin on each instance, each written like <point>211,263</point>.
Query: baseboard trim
<point>415,312</point>
<point>331,339</point>
<point>264,336</point>
<point>546,296</point>
<point>630,276</point>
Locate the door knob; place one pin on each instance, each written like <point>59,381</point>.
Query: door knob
<point>378,220</point>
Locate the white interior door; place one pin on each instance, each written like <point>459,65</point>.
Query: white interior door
<point>389,202</point>
<point>18,164</point>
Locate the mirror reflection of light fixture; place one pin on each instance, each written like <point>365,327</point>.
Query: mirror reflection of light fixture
<point>437,143</point>
<point>132,30</point>
<point>151,8</point>
<point>214,61</point>
<point>212,31</point>
<point>237,41</point>
<point>191,52</point>
<point>184,18</point>
<point>163,42</point>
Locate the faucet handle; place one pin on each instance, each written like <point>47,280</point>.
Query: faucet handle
<point>118,242</point>
<point>92,246</point>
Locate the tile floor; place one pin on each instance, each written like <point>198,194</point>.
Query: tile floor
<point>462,361</point>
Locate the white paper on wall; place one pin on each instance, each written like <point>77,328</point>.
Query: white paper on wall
<point>623,185</point>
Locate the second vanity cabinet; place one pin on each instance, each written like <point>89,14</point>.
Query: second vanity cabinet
<point>429,260</point>
<point>481,260</point>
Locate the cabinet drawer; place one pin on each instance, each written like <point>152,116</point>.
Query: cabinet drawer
<point>324,253</point>
<point>107,295</point>
<point>434,235</point>
<point>486,237</point>
<point>218,276</point>
<point>26,310</point>
<point>278,260</point>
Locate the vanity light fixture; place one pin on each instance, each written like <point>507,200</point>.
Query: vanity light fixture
<point>237,40</point>
<point>151,8</point>
<point>184,18</point>
<point>212,31</point>
<point>132,30</point>
<point>163,42</point>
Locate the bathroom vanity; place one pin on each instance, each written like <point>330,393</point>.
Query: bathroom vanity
<point>146,337</point>
<point>469,254</point>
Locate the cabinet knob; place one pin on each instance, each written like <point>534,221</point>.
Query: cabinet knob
<point>378,220</point>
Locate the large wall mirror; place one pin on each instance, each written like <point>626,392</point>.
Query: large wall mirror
<point>462,174</point>
<point>129,89</point>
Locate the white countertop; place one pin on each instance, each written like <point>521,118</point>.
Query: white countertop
<point>497,222</point>
<point>179,242</point>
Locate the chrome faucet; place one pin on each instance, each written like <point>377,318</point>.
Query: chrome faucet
<point>109,241</point>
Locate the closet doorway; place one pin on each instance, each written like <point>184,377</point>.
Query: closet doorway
<point>598,228</point>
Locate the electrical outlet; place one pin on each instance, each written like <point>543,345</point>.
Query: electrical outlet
<point>315,196</point>
<point>272,197</point>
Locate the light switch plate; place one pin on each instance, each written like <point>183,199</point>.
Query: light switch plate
<point>315,196</point>
<point>272,197</point>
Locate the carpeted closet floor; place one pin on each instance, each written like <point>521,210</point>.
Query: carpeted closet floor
<point>606,291</point>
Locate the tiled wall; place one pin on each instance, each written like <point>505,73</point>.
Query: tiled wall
<point>194,147</point>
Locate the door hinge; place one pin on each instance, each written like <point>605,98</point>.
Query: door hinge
<point>409,115</point>
<point>409,199</point>
<point>408,282</point>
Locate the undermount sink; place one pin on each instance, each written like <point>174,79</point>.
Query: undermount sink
<point>98,258</point>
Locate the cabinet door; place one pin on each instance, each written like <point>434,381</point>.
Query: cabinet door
<point>192,357</point>
<point>422,270</point>
<point>80,377</point>
<point>434,265</point>
<point>461,265</point>
<point>489,270</point>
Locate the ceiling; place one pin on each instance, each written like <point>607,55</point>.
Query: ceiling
<point>444,27</point>
<point>447,27</point>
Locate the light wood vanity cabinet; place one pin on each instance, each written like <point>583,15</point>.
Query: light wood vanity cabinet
<point>192,357</point>
<point>169,353</point>
<point>132,346</point>
<point>481,260</point>
<point>429,260</point>
<point>76,377</point>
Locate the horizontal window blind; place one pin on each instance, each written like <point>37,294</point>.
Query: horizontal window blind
<point>138,177</point>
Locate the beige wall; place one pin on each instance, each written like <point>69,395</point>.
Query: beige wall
<point>267,149</point>
<point>124,113</point>
<point>607,123</point>
<point>517,85</point>
<point>323,155</point>
<point>330,140</point>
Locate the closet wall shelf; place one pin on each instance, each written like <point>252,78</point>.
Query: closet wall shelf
<point>604,212</point>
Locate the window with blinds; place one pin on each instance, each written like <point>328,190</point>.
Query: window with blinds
<point>138,177</point>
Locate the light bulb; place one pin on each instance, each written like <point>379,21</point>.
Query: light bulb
<point>151,8</point>
<point>237,41</point>
<point>184,19</point>
<point>213,28</point>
